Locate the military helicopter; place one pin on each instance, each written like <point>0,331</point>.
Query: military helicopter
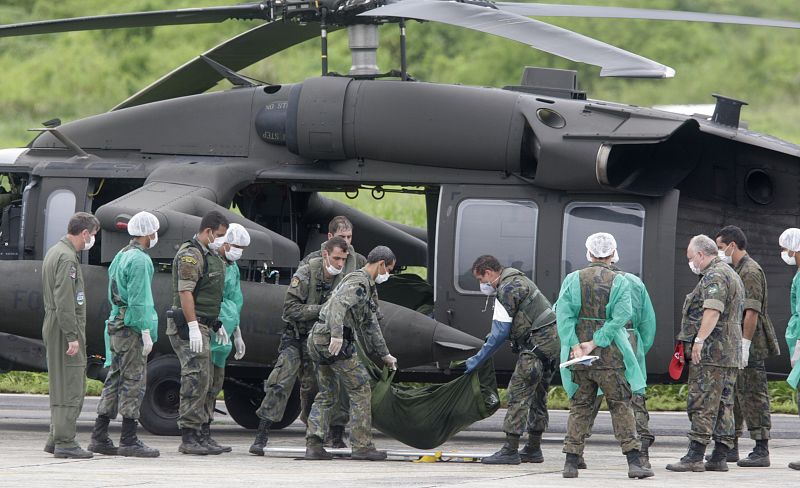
<point>502,171</point>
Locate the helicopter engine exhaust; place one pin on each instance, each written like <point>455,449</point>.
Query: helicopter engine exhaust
<point>332,118</point>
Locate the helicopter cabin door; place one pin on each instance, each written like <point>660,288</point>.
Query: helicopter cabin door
<point>59,199</point>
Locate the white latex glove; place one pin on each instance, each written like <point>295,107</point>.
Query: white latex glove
<point>335,345</point>
<point>195,337</point>
<point>390,361</point>
<point>222,336</point>
<point>745,352</point>
<point>147,343</point>
<point>238,343</point>
<point>796,355</point>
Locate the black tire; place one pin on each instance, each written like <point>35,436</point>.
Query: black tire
<point>159,412</point>
<point>242,404</point>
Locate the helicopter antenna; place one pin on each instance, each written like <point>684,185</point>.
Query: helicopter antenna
<point>403,64</point>
<point>323,39</point>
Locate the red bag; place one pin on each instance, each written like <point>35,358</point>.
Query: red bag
<point>677,362</point>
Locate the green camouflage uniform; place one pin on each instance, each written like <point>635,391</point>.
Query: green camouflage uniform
<point>711,382</point>
<point>64,321</point>
<point>751,401</point>
<point>130,277</point>
<point>202,272</point>
<point>306,294</point>
<point>601,313</point>
<point>535,337</point>
<point>350,313</point>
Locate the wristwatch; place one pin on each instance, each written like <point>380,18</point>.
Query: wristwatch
<point>698,340</point>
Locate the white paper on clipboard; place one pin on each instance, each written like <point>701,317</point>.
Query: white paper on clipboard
<point>587,360</point>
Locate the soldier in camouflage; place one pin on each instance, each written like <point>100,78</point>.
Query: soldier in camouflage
<point>64,333</point>
<point>198,280</point>
<point>759,341</point>
<point>593,308</point>
<point>131,330</point>
<point>347,317</point>
<point>712,335</point>
<point>523,316</point>
<point>309,289</point>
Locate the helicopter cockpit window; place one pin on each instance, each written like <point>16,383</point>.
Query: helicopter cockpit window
<point>60,207</point>
<point>505,229</point>
<point>625,221</point>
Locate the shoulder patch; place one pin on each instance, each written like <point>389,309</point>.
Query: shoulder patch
<point>713,289</point>
<point>295,282</point>
<point>189,260</point>
<point>73,272</point>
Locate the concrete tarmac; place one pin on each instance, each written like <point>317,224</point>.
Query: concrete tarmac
<point>24,422</point>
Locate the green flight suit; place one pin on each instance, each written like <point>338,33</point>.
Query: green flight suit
<point>229,314</point>
<point>64,321</point>
<point>130,278</point>
<point>200,271</point>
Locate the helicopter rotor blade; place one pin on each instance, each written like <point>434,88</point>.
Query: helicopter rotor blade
<point>196,76</point>
<point>552,10</point>
<point>539,35</point>
<point>186,16</point>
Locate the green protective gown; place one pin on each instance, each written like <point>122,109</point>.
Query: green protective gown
<point>793,329</point>
<point>229,313</point>
<point>132,270</point>
<point>568,308</point>
<point>644,321</point>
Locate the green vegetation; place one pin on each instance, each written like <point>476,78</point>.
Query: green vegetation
<point>74,75</point>
<point>27,382</point>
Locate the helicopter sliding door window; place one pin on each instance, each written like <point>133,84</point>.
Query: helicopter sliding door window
<point>60,207</point>
<point>625,221</point>
<point>505,229</point>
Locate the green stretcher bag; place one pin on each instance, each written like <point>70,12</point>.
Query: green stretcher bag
<point>427,417</point>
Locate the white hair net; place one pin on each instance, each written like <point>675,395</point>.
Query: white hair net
<point>790,239</point>
<point>143,224</point>
<point>601,245</point>
<point>237,235</point>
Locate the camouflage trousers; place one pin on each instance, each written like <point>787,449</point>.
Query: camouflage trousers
<point>123,390</point>
<point>292,364</point>
<point>710,403</point>
<point>216,382</point>
<point>195,380</point>
<point>527,395</point>
<point>355,379</point>
<point>640,414</point>
<point>751,401</point>
<point>581,408</point>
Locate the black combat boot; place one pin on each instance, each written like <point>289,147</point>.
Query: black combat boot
<point>795,465</point>
<point>692,461</point>
<point>368,454</point>
<point>644,452</point>
<point>71,453</point>
<point>635,468</point>
<point>191,443</point>
<point>205,429</point>
<point>337,437</point>
<point>570,466</point>
<point>203,438</point>
<point>262,436</point>
<point>733,454</point>
<point>719,456</point>
<point>130,445</point>
<point>315,451</point>
<point>759,458</point>
<point>49,448</point>
<point>101,443</point>
<point>532,451</point>
<point>508,454</point>
<point>581,462</point>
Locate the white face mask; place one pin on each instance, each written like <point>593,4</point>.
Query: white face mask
<point>153,241</point>
<point>216,243</point>
<point>88,245</point>
<point>615,257</point>
<point>694,268</point>
<point>234,254</point>
<point>333,271</point>
<point>791,261</point>
<point>723,256</point>
<point>381,278</point>
<point>487,288</point>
